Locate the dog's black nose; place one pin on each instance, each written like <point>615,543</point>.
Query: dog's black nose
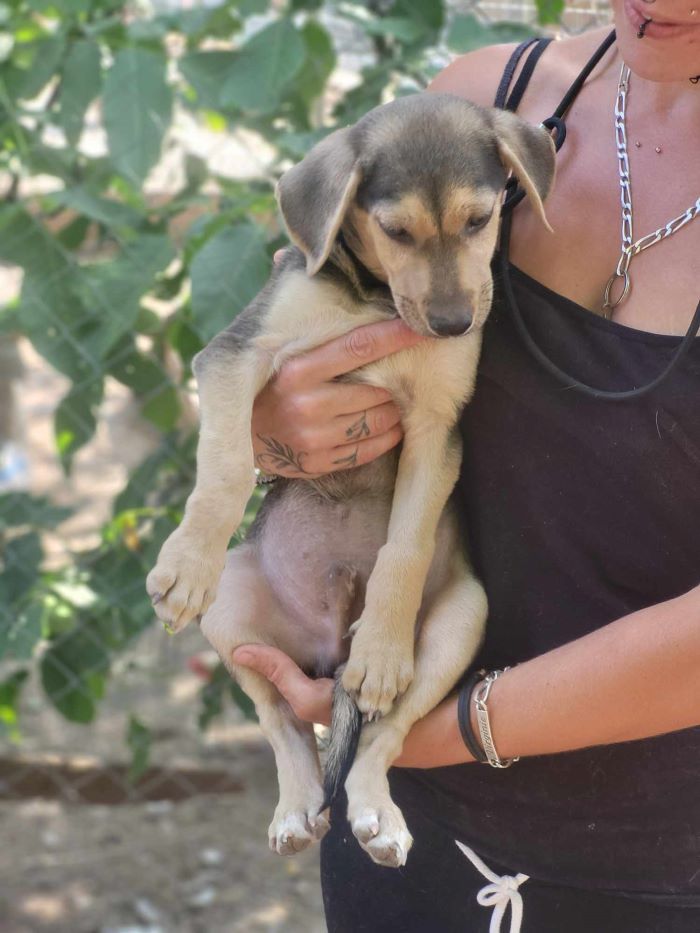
<point>452,325</point>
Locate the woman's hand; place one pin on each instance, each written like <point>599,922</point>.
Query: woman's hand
<point>310,699</point>
<point>305,423</point>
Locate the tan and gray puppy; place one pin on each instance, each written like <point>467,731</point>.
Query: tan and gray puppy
<point>396,214</point>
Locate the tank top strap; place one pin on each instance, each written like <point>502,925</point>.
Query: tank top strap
<point>511,102</point>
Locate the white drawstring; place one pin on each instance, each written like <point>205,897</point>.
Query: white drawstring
<point>499,894</point>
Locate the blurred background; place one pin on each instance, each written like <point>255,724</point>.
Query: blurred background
<point>139,147</point>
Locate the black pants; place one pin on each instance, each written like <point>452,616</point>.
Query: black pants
<point>436,893</point>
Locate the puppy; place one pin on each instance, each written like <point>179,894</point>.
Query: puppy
<point>397,214</point>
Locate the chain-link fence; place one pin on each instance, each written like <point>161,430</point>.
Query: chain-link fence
<point>138,151</point>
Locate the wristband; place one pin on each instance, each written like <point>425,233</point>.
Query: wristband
<point>482,717</point>
<point>464,718</point>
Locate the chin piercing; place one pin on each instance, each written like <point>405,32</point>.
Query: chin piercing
<point>695,79</point>
<point>642,28</point>
<point>658,149</point>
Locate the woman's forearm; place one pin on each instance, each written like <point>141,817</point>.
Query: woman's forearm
<point>636,677</point>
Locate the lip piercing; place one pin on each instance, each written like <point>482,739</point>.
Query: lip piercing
<point>642,28</point>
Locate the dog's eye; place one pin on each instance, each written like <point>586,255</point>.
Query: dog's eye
<point>400,234</point>
<point>477,222</point>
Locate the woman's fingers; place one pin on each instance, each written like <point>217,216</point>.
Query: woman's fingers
<point>357,348</point>
<point>310,699</point>
<point>310,463</point>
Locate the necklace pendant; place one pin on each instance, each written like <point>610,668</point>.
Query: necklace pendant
<point>608,305</point>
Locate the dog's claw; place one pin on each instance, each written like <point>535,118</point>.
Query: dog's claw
<point>156,598</point>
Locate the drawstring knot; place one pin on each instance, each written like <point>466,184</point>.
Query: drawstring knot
<point>502,891</point>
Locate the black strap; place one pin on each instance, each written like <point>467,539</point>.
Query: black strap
<point>509,71</point>
<point>521,84</point>
<point>513,197</point>
<point>565,379</point>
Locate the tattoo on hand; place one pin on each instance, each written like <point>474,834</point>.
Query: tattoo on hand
<point>349,461</point>
<point>278,456</point>
<point>358,429</point>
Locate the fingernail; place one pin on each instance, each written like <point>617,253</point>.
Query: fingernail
<point>242,656</point>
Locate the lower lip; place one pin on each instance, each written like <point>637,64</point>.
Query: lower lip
<point>653,30</point>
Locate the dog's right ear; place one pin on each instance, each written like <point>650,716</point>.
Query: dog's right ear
<point>315,194</point>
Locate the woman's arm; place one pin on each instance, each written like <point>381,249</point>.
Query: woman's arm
<point>636,677</point>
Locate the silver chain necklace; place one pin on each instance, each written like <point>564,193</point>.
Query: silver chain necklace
<point>630,248</point>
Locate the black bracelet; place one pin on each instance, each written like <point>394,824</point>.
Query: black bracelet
<point>464,717</point>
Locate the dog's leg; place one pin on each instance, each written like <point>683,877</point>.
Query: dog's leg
<point>183,583</point>
<point>243,606</point>
<point>448,640</point>
<point>381,661</point>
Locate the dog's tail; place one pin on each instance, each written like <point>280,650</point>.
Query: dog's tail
<point>346,723</point>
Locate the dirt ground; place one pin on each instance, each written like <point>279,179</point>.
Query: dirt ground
<point>157,866</point>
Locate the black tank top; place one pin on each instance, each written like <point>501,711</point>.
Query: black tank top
<point>578,511</point>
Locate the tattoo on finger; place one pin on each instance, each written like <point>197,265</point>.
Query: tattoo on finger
<point>358,429</point>
<point>349,461</point>
<point>278,456</point>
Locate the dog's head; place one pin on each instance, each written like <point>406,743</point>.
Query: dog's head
<point>416,187</point>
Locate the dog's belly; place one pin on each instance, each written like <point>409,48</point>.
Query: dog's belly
<point>317,543</point>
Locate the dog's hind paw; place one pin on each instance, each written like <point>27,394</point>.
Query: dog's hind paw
<point>383,834</point>
<point>294,830</point>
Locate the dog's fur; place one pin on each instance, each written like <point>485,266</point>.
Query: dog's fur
<point>398,213</point>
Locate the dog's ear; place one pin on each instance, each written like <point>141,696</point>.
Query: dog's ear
<point>315,194</point>
<point>528,151</point>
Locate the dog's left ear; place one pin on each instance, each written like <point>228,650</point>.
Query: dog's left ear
<point>528,151</point>
<point>314,196</point>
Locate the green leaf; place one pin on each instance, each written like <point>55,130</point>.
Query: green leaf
<point>73,669</point>
<point>163,408</point>
<point>21,560</point>
<point>138,738</point>
<point>318,64</point>
<point>22,632</point>
<point>429,14</point>
<point>25,242</point>
<point>206,72</point>
<point>81,79</point>
<point>401,28</point>
<point>10,689</point>
<point>21,508</point>
<point>104,211</point>
<point>39,63</point>
<point>466,33</point>
<point>75,420</point>
<point>137,105</point>
<point>111,291</point>
<point>549,11</point>
<point>227,273</point>
<point>263,67</point>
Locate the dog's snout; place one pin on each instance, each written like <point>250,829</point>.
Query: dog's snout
<point>452,323</point>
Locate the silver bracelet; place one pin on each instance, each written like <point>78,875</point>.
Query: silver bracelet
<point>481,695</point>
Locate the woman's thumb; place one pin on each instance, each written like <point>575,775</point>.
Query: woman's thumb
<point>272,663</point>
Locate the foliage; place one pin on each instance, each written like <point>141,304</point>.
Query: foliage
<point>112,289</point>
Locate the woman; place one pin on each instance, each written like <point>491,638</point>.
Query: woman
<point>583,517</point>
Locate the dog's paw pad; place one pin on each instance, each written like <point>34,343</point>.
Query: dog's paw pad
<point>383,835</point>
<point>295,830</point>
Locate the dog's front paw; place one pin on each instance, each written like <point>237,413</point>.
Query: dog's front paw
<point>292,831</point>
<point>378,670</point>
<point>183,583</point>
